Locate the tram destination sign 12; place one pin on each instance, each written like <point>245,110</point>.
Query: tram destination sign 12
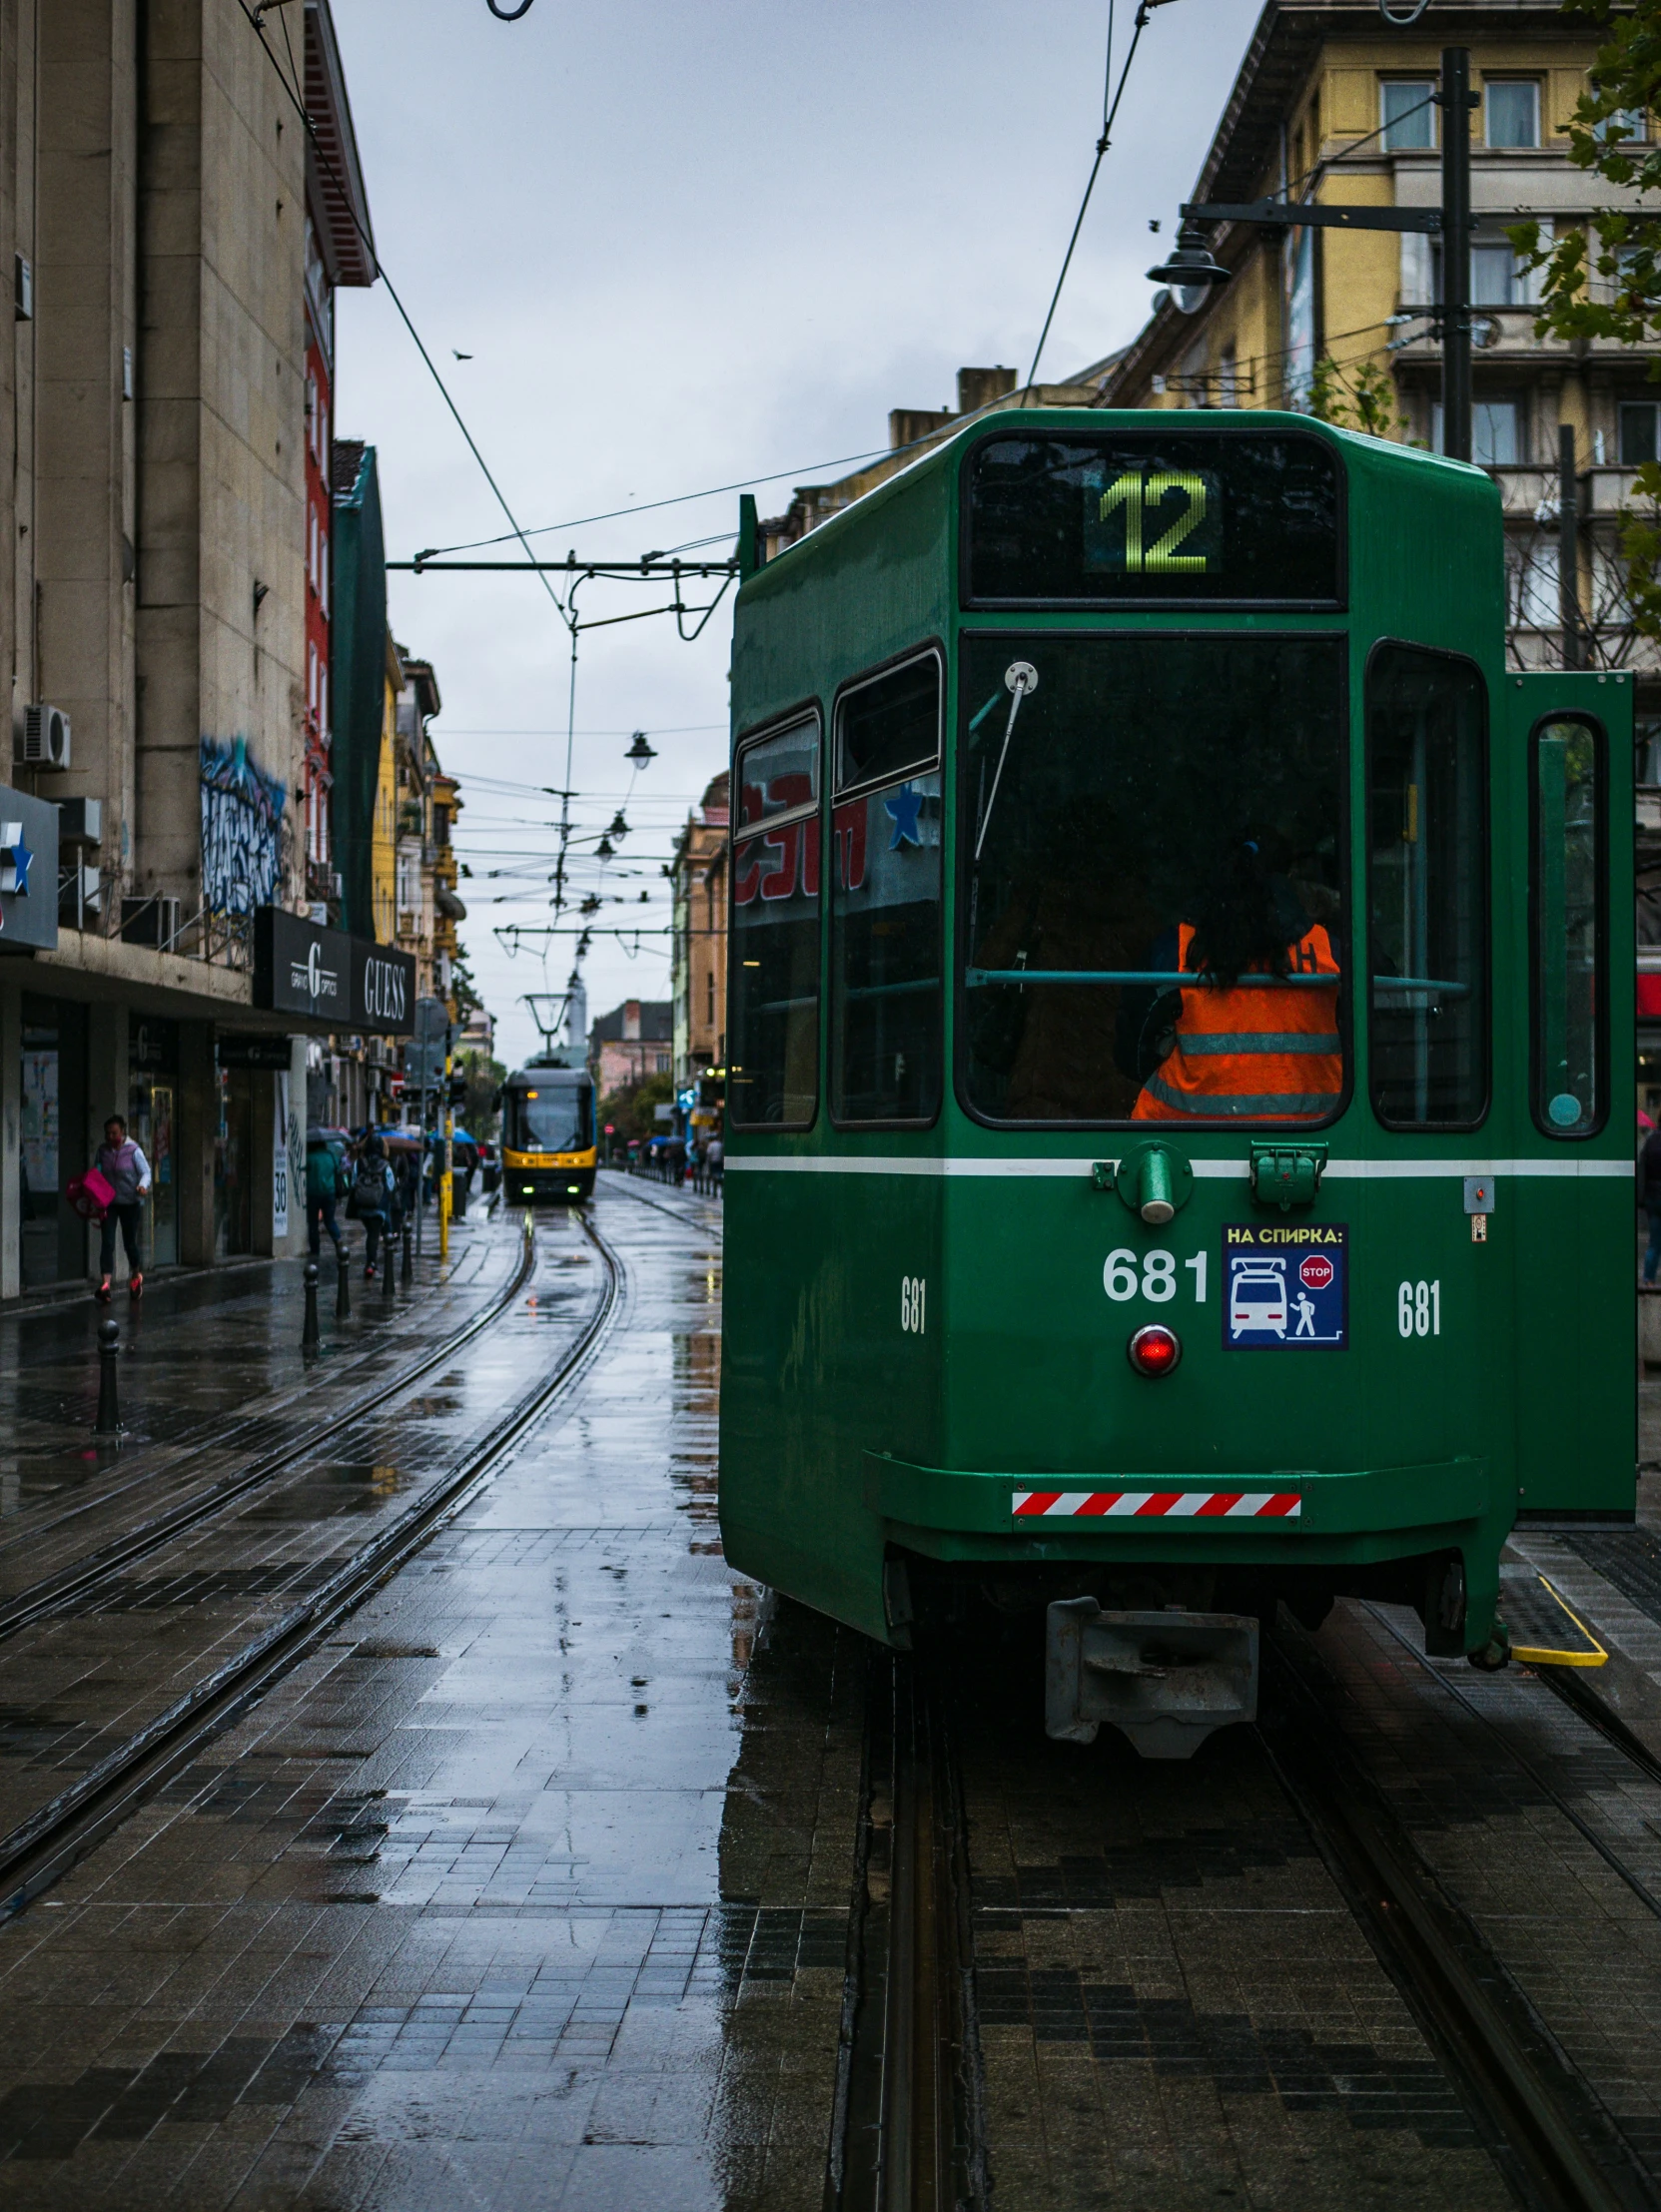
<point>1150,518</point>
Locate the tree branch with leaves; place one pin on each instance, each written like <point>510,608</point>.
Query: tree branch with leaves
<point>1603,282</point>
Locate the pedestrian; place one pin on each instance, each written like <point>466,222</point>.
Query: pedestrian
<point>1649,1198</point>
<point>372,1195</point>
<point>406,1174</point>
<point>714,1154</point>
<point>125,1168</point>
<point>322,1172</point>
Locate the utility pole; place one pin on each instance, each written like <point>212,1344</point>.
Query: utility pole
<point>450,1148</point>
<point>1454,101</point>
<point>1568,548</point>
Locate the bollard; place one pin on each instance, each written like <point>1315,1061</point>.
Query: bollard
<point>408,1258</point>
<point>309,1338</point>
<point>109,1408</point>
<point>343,1282</point>
<point>388,1289</point>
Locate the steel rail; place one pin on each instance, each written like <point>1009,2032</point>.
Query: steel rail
<point>202,1436</point>
<point>659,1205</point>
<point>910,2138</point>
<point>1543,2124</point>
<point>39,1850</point>
<point>53,1593</point>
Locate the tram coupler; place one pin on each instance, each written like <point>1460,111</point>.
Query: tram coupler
<point>1166,1679</point>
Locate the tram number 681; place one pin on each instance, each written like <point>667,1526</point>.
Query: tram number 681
<point>1418,1309</point>
<point>1153,1273</point>
<point>914,1298</point>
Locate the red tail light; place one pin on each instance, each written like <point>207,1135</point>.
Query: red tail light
<point>1155,1351</point>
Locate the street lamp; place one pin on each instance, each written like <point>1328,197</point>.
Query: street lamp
<point>1190,272</point>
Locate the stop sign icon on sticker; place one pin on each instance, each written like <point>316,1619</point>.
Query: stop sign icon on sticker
<point>1317,1271</point>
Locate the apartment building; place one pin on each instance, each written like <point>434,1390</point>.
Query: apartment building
<point>1333,104</point>
<point>633,1041</point>
<point>698,958</point>
<point>176,234</point>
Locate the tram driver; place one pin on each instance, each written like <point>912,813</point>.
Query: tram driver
<point>1252,1038</point>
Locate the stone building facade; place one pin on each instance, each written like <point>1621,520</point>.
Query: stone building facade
<point>698,958</point>
<point>174,232</point>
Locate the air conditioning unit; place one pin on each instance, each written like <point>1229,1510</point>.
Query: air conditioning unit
<point>150,922</point>
<point>45,736</point>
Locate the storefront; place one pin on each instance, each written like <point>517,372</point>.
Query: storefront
<point>54,1140</point>
<point>152,1106</point>
<point>250,1156</point>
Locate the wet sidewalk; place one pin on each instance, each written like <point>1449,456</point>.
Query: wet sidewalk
<point>531,1889</point>
<point>209,1362</point>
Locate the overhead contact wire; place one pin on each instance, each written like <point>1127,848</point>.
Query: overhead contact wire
<point>256,26</point>
<point>1111,111</point>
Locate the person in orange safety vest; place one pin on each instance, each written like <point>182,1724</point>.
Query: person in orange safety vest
<point>1244,1047</point>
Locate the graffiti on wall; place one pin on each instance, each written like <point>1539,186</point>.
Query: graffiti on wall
<point>242,830</point>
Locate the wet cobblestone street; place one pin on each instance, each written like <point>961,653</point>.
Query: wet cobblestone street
<point>542,1879</point>
<point>534,1890</point>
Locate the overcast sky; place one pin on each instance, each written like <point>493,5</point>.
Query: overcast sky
<point>689,245</point>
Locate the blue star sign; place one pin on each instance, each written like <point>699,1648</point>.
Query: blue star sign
<point>902,810</point>
<point>15,857</point>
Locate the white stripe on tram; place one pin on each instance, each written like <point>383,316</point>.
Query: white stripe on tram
<point>1207,1170</point>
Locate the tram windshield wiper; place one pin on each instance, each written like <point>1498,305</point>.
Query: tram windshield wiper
<point>1020,678</point>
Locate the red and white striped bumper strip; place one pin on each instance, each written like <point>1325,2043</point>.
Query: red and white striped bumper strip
<point>1153,1505</point>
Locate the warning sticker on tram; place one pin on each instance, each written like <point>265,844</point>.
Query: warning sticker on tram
<point>1284,1286</point>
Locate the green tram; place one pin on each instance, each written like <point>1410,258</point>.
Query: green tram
<point>1182,991</point>
<point>548,1153</point>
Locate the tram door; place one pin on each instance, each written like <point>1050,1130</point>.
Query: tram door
<point>1570,1239</point>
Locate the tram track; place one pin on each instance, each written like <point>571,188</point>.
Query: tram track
<point>1550,2134</point>
<point>53,1593</point>
<point>675,1213</point>
<point>912,2131</point>
<point>40,1849</point>
<point>203,1439</point>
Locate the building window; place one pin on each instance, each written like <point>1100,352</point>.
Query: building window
<point>1627,127</point>
<point>1495,432</point>
<point>1405,109</point>
<point>662,1064</point>
<point>1513,111</point>
<point>1531,596</point>
<point>1300,318</point>
<point>1637,422</point>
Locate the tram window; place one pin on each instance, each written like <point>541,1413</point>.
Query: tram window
<point>1427,888</point>
<point>889,726</point>
<point>886,952</point>
<point>1154,805</point>
<point>1568,801</point>
<point>1236,518</point>
<point>773,1045</point>
<point>550,1119</point>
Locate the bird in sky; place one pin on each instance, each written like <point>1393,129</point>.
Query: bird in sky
<point>461,357</point>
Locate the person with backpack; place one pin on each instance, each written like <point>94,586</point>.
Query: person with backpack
<point>1649,1198</point>
<point>322,1173</point>
<point>125,1168</point>
<point>371,1199</point>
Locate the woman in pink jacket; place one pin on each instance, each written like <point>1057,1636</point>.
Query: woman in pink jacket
<point>124,1166</point>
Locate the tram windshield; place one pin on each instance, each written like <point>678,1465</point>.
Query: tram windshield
<point>1135,807</point>
<point>548,1121</point>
